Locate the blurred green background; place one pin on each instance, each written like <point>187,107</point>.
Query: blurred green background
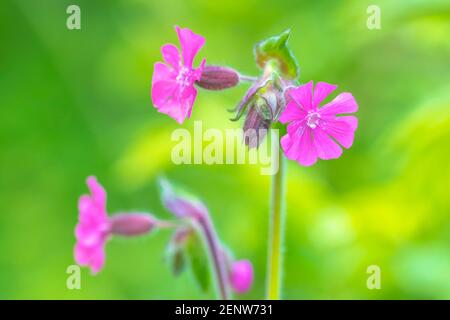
<point>75,103</point>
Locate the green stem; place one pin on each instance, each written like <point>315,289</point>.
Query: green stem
<point>276,233</point>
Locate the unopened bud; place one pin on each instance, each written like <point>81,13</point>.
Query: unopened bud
<point>181,235</point>
<point>248,98</point>
<point>132,224</point>
<point>175,250</point>
<point>181,206</point>
<point>241,276</point>
<point>255,127</point>
<point>218,78</point>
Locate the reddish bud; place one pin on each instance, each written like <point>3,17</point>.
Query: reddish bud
<point>132,224</point>
<point>218,78</point>
<point>181,206</point>
<point>255,127</point>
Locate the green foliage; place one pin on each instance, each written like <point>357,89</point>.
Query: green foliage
<point>176,258</point>
<point>198,261</point>
<point>275,50</point>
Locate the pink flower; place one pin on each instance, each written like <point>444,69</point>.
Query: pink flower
<point>93,227</point>
<point>173,91</point>
<point>312,132</point>
<point>241,276</point>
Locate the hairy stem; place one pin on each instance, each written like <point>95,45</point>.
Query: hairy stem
<point>216,255</point>
<point>247,78</point>
<point>276,232</point>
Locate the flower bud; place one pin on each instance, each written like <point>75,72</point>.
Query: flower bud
<point>255,126</point>
<point>262,105</point>
<point>248,98</point>
<point>181,235</point>
<point>218,78</point>
<point>241,276</point>
<point>175,250</point>
<point>132,224</point>
<point>181,206</point>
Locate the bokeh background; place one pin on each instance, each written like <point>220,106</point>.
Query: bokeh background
<point>75,103</point>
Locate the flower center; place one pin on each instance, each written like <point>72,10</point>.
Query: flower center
<point>312,119</point>
<point>184,78</point>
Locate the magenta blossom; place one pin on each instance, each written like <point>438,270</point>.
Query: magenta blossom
<point>94,226</point>
<point>241,276</point>
<point>173,91</point>
<point>312,132</point>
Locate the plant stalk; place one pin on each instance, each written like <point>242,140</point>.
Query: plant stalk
<point>216,256</point>
<point>276,230</point>
<point>247,78</point>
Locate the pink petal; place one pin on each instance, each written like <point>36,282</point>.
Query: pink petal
<point>161,72</point>
<point>290,150</point>
<point>89,212</point>
<point>98,193</point>
<point>325,146</point>
<point>300,147</point>
<point>197,73</point>
<point>171,55</point>
<point>343,103</point>
<point>307,154</point>
<point>88,236</point>
<point>191,43</point>
<point>94,257</point>
<point>164,94</point>
<point>295,126</point>
<point>98,259</point>
<point>190,94</point>
<point>342,129</point>
<point>303,96</point>
<point>292,112</point>
<point>179,105</point>
<point>85,207</point>
<point>321,91</point>
<point>241,276</point>
<point>81,254</point>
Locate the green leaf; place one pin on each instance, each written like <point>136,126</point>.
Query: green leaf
<point>177,259</point>
<point>198,261</point>
<point>263,108</point>
<point>275,50</point>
